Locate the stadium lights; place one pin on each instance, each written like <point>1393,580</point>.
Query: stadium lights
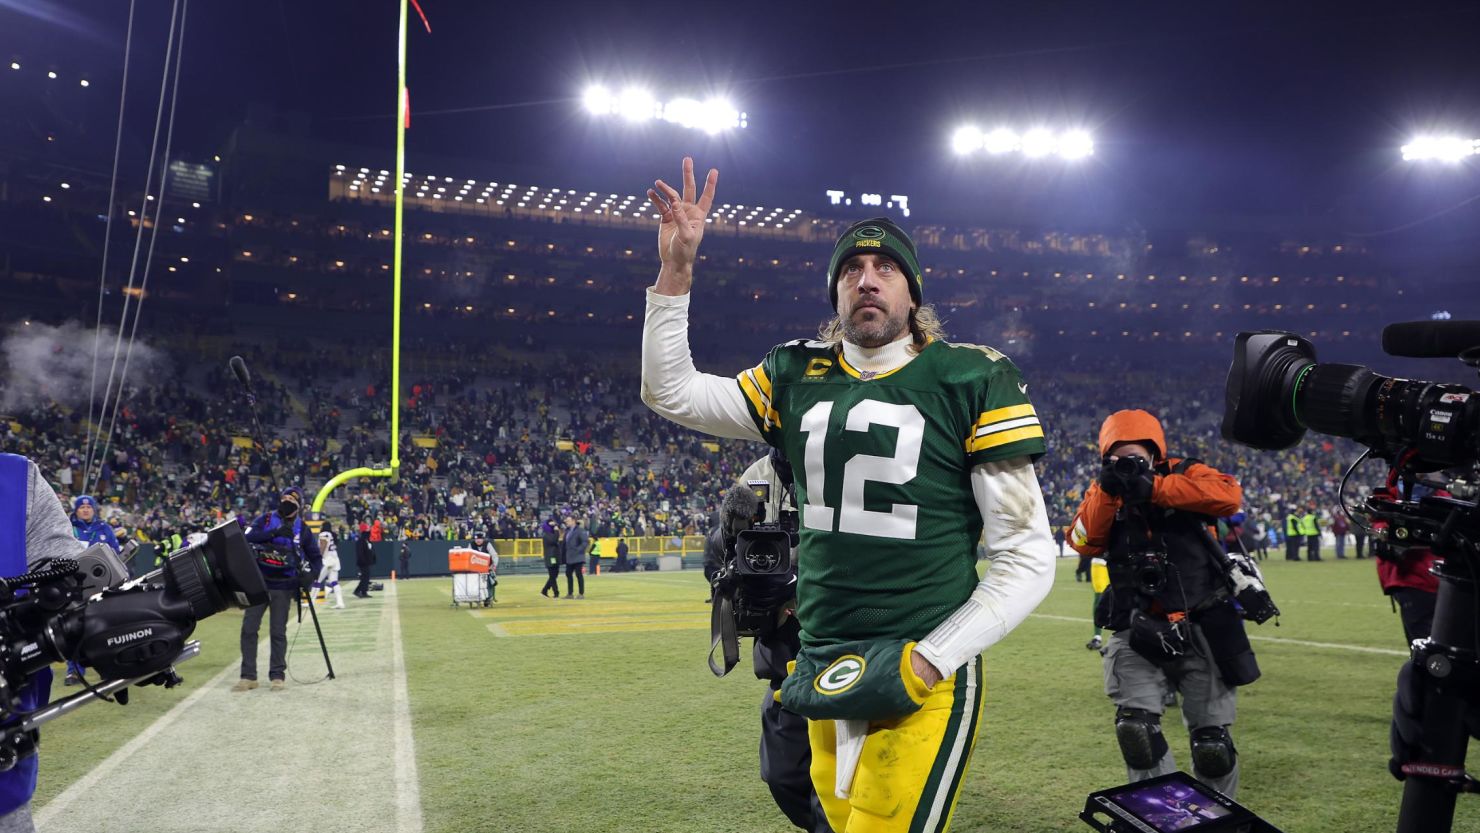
<point>637,105</point>
<point>15,64</point>
<point>1036,143</point>
<point>1440,148</point>
<point>51,74</point>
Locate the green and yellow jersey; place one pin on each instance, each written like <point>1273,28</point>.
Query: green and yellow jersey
<point>889,523</point>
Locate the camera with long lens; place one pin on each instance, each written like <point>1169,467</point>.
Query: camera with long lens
<point>1276,391</point>
<point>129,632</point>
<point>758,578</point>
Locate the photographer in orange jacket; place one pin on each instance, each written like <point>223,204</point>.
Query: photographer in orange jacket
<point>1170,605</point>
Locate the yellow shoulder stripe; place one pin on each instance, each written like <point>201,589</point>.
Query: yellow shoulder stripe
<point>760,403</point>
<point>1009,412</point>
<point>1000,438</point>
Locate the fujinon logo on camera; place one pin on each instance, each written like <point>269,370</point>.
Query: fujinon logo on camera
<point>840,675</point>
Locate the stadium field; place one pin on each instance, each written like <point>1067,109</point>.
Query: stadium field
<point>600,715</point>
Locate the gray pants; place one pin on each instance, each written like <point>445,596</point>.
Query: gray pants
<point>1134,682</point>
<point>277,632</point>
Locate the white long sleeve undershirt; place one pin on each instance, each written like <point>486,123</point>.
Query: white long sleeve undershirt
<point>1015,520</point>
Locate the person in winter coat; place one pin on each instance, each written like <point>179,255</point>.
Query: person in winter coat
<point>577,546</point>
<point>364,561</point>
<point>287,552</point>
<point>88,528</point>
<point>554,557</point>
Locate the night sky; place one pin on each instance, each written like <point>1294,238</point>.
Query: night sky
<point>1201,109</point>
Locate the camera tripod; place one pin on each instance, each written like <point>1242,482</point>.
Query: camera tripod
<point>302,599</point>
<point>1450,678</point>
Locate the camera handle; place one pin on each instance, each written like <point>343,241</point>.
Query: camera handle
<point>722,633</point>
<point>1449,672</point>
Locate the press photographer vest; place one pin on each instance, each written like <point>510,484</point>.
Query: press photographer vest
<point>17,785</point>
<point>1195,575</point>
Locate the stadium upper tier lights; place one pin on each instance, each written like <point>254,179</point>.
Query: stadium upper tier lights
<point>1034,144</point>
<point>1441,148</point>
<point>637,105</point>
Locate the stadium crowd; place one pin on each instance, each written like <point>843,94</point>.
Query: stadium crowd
<point>511,450</point>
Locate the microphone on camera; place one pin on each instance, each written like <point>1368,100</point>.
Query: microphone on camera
<point>239,369</point>
<point>1430,339</point>
<point>738,508</point>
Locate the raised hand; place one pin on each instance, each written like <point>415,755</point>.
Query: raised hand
<point>681,227</point>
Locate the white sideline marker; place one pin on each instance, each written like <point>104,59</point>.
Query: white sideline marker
<point>85,785</point>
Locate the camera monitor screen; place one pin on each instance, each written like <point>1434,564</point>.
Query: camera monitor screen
<point>1170,805</point>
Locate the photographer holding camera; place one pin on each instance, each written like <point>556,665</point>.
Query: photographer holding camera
<point>33,527</point>
<point>764,498</point>
<point>1169,605</point>
<point>287,554</point>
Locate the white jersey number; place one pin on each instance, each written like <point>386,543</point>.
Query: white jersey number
<point>899,521</point>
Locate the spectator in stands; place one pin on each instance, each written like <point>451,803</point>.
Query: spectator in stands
<point>554,557</point>
<point>87,526</point>
<point>576,546</point>
<point>286,552</point>
<point>89,529</point>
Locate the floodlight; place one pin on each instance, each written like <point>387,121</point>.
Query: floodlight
<point>685,112</point>
<point>636,104</point>
<point>1441,148</point>
<point>1076,144</point>
<point>597,100</point>
<point>1037,143</point>
<point>1000,141</point>
<point>966,140</point>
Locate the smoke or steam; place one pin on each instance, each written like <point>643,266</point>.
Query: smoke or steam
<point>54,364</point>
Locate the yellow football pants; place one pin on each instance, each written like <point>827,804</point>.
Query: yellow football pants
<point>911,769</point>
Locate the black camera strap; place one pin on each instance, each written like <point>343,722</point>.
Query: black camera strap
<point>722,634</point>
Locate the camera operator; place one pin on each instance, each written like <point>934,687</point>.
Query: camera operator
<point>1173,622</point>
<point>785,753</point>
<point>285,546</point>
<point>33,527</point>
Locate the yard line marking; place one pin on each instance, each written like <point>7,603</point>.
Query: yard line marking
<point>85,785</point>
<point>408,787</point>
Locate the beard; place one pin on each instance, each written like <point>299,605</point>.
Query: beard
<point>878,330</point>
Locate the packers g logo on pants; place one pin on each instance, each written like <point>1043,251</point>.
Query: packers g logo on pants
<point>840,676</point>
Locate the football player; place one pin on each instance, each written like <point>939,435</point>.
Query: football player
<point>905,448</point>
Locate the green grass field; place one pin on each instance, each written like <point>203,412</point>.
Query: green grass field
<point>601,715</point>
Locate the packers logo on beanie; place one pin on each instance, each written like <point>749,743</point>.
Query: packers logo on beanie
<point>878,236</point>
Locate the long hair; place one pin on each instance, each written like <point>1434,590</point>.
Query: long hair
<point>925,327</point>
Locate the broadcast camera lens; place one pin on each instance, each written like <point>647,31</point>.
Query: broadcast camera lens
<point>1276,390</point>
<point>216,574</point>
